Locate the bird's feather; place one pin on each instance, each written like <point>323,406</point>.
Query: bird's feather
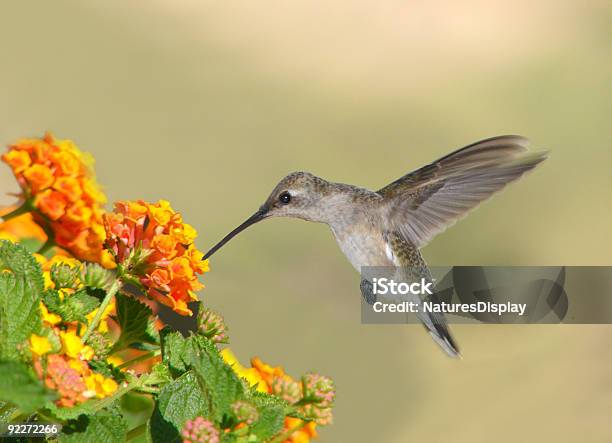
<point>412,268</point>
<point>425,202</point>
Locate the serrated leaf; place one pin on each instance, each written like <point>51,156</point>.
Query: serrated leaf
<point>159,375</point>
<point>71,413</point>
<point>19,386</point>
<point>152,334</point>
<point>173,349</point>
<point>106,426</point>
<point>220,383</point>
<point>96,277</point>
<point>179,401</point>
<point>133,318</point>
<point>215,376</point>
<point>74,307</point>
<point>20,293</point>
<point>52,301</point>
<point>272,411</point>
<point>78,305</point>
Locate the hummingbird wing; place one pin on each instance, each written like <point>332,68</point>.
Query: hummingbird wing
<point>367,291</point>
<point>412,267</point>
<point>425,202</point>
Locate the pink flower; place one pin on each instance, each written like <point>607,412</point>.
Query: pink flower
<point>200,430</point>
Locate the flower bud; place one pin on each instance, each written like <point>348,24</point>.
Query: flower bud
<point>212,326</point>
<point>65,276</point>
<point>318,390</point>
<point>200,430</point>
<point>99,343</point>
<point>286,388</point>
<point>321,416</point>
<point>245,412</point>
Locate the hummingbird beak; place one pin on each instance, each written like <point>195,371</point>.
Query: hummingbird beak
<point>258,216</point>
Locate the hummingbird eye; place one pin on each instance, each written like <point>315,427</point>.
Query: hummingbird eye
<point>284,198</point>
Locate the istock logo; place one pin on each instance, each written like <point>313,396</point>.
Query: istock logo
<point>385,286</point>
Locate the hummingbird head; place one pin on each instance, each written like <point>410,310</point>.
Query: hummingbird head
<point>299,195</point>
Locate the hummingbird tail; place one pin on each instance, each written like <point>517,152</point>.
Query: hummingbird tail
<point>443,337</point>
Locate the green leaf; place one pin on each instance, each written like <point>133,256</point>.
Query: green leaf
<point>108,370</point>
<point>152,334</point>
<point>173,349</point>
<point>73,412</point>
<point>52,301</point>
<point>272,411</point>
<point>106,426</point>
<point>133,317</point>
<point>159,375</point>
<point>20,292</point>
<point>220,383</point>
<point>74,307</point>
<point>78,305</point>
<point>96,277</point>
<point>20,387</point>
<point>160,430</point>
<point>6,411</point>
<point>31,244</point>
<point>181,400</point>
<point>216,377</point>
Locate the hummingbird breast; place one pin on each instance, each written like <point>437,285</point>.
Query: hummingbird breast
<point>364,246</point>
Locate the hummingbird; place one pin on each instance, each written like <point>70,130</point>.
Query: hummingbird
<point>390,226</point>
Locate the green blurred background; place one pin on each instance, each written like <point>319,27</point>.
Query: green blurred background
<point>208,104</point>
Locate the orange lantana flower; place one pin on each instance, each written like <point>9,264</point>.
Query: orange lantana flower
<point>20,227</point>
<point>151,243</point>
<point>284,386</point>
<point>58,180</point>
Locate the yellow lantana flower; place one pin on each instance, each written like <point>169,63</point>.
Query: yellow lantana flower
<point>39,345</point>
<point>100,386</point>
<point>72,346</point>
<point>47,317</point>
<point>114,360</point>
<point>251,375</point>
<point>103,325</point>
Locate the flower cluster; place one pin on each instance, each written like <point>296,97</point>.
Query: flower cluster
<point>319,394</point>
<point>200,430</point>
<point>313,397</point>
<point>87,332</point>
<point>66,275</point>
<point>152,244</point>
<point>63,376</point>
<point>61,347</point>
<point>57,179</point>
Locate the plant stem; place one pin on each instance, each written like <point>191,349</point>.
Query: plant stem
<point>137,431</point>
<point>143,357</point>
<point>107,299</point>
<point>23,209</point>
<point>46,246</point>
<point>147,390</point>
<point>285,435</point>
